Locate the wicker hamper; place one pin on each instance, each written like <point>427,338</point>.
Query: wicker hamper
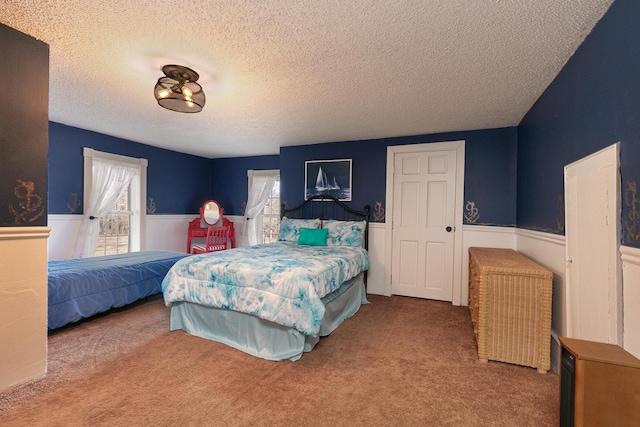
<point>510,304</point>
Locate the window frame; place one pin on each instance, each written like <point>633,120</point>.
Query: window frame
<point>137,193</point>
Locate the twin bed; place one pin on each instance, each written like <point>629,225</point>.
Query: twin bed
<point>82,287</point>
<point>276,300</point>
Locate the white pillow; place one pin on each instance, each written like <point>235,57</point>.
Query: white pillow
<point>290,228</point>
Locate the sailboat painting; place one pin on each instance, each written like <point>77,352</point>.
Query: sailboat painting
<point>328,177</point>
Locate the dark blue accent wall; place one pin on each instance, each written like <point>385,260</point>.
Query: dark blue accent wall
<point>593,102</point>
<point>23,129</point>
<point>368,170</point>
<point>177,183</point>
<point>229,178</point>
<point>180,183</point>
<point>490,170</point>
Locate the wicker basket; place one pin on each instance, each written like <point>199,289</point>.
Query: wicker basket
<point>510,304</point>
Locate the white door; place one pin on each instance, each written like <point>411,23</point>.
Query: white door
<point>594,293</point>
<point>424,189</point>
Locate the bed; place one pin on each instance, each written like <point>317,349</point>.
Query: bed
<point>82,287</point>
<point>276,300</point>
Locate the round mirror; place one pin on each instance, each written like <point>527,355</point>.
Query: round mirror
<point>211,213</point>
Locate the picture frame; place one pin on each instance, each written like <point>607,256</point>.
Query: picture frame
<point>328,177</point>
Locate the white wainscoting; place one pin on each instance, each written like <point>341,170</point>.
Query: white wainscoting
<point>168,232</point>
<point>238,226</point>
<point>548,250</point>
<point>484,237</point>
<point>631,298</point>
<point>164,232</point>
<point>376,274</point>
<point>23,292</point>
<point>62,240</point>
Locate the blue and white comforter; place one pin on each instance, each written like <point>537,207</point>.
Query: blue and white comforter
<point>282,282</point>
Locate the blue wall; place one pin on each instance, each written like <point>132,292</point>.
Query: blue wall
<point>176,183</point>
<point>593,102</point>
<point>229,178</point>
<point>23,129</point>
<point>180,183</point>
<point>490,170</point>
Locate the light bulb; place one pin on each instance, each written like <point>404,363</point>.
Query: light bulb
<point>187,93</point>
<point>164,93</point>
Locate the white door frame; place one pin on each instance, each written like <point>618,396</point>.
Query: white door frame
<point>458,146</point>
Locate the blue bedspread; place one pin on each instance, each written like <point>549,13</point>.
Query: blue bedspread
<point>282,282</point>
<point>82,287</point>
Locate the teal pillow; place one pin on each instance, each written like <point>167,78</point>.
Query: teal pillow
<point>313,236</point>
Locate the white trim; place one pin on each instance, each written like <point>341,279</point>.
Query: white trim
<point>630,255</point>
<point>15,233</point>
<point>267,172</point>
<point>90,152</point>
<point>161,217</point>
<point>459,147</point>
<point>489,228</point>
<point>543,236</point>
<point>64,217</point>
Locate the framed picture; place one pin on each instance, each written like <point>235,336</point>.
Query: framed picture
<point>328,177</point>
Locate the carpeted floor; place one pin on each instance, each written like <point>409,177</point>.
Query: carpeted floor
<point>398,362</point>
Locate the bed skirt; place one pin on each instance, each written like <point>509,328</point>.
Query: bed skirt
<point>262,338</point>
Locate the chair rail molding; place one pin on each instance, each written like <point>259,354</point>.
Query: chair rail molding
<point>20,233</point>
<point>543,236</point>
<point>630,255</point>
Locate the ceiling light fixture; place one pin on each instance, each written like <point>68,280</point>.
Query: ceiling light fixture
<point>178,91</point>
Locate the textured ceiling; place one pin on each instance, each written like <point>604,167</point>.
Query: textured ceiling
<point>284,72</point>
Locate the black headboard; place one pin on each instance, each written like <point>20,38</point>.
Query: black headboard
<point>328,207</point>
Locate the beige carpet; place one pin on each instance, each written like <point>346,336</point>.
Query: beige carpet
<point>398,362</point>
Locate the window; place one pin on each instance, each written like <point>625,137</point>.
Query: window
<point>270,217</point>
<point>113,237</point>
<point>268,221</point>
<point>122,229</point>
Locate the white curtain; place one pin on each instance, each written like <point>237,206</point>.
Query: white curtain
<point>109,181</point>
<point>261,187</point>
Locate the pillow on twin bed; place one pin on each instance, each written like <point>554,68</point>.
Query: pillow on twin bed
<point>313,236</point>
<point>290,228</point>
<point>345,233</point>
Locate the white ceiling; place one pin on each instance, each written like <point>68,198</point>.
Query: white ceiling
<point>292,72</point>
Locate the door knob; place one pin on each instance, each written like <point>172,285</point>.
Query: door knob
<point>448,229</point>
